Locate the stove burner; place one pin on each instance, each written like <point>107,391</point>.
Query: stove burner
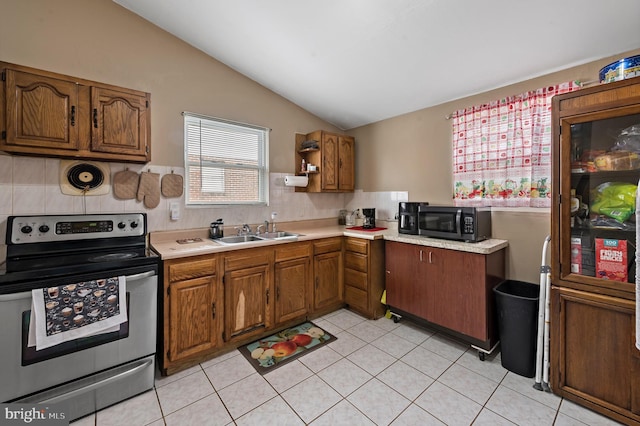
<point>112,256</point>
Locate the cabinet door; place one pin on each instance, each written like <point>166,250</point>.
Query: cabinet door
<point>406,280</point>
<point>330,166</point>
<point>119,122</point>
<point>41,111</point>
<point>593,348</point>
<point>457,291</point>
<point>328,286</point>
<point>346,163</point>
<point>192,317</point>
<point>291,284</point>
<point>596,172</point>
<point>247,301</point>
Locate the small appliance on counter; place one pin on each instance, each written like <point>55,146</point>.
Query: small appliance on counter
<point>216,231</point>
<point>342,217</point>
<point>408,217</point>
<point>369,221</point>
<point>352,218</point>
<point>470,224</point>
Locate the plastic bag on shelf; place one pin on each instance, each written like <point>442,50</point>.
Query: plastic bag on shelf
<point>601,221</point>
<point>616,200</point>
<point>628,139</point>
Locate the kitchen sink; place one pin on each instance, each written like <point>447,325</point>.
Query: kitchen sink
<point>281,235</point>
<point>238,239</point>
<point>251,238</point>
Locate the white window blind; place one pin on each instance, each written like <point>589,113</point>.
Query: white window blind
<point>226,162</point>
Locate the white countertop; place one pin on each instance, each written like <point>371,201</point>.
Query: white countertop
<point>166,242</point>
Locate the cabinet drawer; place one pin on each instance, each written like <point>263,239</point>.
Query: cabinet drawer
<point>355,245</point>
<point>355,261</point>
<point>328,245</point>
<point>247,259</point>
<point>355,278</point>
<point>292,251</point>
<point>192,269</point>
<point>355,297</point>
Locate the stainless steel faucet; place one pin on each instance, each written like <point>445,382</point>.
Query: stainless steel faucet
<point>264,226</point>
<point>244,230</point>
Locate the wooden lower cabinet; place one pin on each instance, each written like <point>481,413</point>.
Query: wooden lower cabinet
<point>248,293</point>
<point>406,283</point>
<point>328,275</point>
<point>593,355</point>
<point>292,279</point>
<point>447,288</point>
<point>191,312</point>
<point>364,276</point>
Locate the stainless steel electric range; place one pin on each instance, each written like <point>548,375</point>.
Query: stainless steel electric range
<point>61,252</point>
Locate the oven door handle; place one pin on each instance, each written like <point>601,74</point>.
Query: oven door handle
<point>27,294</point>
<point>140,276</point>
<point>67,395</point>
<point>15,296</point>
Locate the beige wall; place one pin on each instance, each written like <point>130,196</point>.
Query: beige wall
<point>100,40</point>
<point>412,152</point>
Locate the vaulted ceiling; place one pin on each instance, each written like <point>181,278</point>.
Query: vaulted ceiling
<point>354,62</point>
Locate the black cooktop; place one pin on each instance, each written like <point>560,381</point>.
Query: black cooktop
<point>69,248</point>
<point>70,266</point>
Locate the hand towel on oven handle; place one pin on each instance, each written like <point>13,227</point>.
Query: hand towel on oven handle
<point>71,311</point>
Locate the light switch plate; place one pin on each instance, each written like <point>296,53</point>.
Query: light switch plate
<point>174,209</point>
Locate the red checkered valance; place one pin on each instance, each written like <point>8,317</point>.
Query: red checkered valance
<point>502,150</point>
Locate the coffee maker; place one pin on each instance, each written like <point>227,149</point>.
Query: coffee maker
<point>369,221</point>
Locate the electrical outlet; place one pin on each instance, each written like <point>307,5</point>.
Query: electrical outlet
<point>174,209</point>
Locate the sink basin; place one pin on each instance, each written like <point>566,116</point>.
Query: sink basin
<point>238,239</point>
<point>281,235</point>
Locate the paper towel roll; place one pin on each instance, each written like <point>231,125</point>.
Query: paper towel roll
<point>296,180</point>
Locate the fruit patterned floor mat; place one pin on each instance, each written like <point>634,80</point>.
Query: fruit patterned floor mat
<point>278,349</point>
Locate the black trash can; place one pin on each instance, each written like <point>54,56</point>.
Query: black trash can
<point>517,309</point>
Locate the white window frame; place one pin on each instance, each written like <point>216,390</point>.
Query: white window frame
<point>225,152</point>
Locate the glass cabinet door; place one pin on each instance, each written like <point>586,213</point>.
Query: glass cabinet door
<point>601,155</point>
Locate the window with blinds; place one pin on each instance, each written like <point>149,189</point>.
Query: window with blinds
<point>225,162</point>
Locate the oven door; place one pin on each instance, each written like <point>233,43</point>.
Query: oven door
<point>440,223</point>
<point>25,371</point>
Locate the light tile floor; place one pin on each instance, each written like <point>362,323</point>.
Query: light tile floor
<point>375,373</point>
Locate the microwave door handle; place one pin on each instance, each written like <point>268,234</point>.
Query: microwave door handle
<point>459,223</point>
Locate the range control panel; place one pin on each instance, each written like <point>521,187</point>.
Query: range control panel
<point>40,229</point>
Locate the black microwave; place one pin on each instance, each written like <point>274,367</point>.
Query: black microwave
<point>471,224</point>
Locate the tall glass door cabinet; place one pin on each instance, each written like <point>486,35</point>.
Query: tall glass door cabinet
<point>596,168</point>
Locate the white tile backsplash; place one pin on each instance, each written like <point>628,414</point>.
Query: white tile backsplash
<point>31,186</point>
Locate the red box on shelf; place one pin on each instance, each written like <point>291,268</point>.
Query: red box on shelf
<point>611,259</point>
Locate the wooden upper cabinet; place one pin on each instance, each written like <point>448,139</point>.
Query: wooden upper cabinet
<point>40,111</point>
<point>118,122</point>
<point>48,114</point>
<point>334,157</point>
<point>346,163</point>
<point>329,161</point>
